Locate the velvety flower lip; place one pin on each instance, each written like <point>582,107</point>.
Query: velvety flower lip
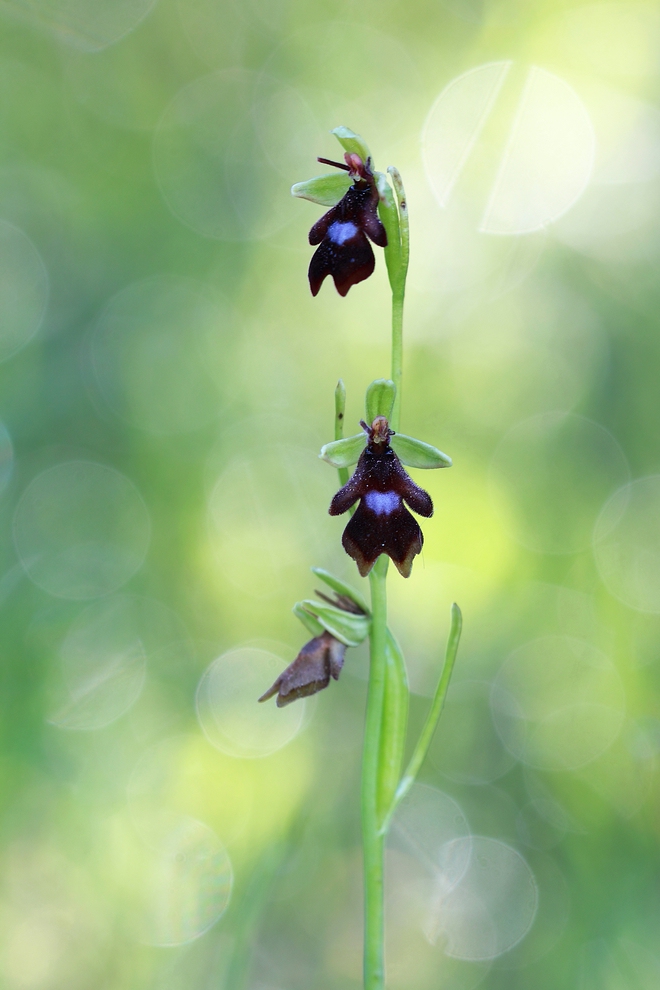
<point>319,660</point>
<point>343,251</point>
<point>381,523</point>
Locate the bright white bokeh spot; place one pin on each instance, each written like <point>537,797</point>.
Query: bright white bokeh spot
<point>152,354</point>
<point>210,164</point>
<point>23,290</point>
<point>188,884</point>
<point>466,747</point>
<point>227,708</point>
<point>81,530</point>
<point>627,544</point>
<point>491,909</point>
<point>555,470</point>
<point>104,658</point>
<point>558,703</point>
<point>426,826</point>
<point>548,155</point>
<point>90,25</point>
<point>455,122</point>
<point>548,161</point>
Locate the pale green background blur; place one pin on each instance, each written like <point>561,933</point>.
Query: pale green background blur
<point>167,381</point>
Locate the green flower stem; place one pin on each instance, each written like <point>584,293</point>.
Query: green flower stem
<point>433,717</point>
<point>372,837</point>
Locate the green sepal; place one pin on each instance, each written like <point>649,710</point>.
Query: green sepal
<point>343,453</point>
<point>310,623</point>
<point>352,142</point>
<point>393,726</point>
<point>389,215</point>
<point>417,454</point>
<point>326,190</point>
<point>347,627</point>
<point>342,588</point>
<point>379,399</point>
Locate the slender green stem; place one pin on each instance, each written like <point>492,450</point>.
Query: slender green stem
<point>433,717</point>
<point>340,409</point>
<point>397,355</point>
<point>372,839</point>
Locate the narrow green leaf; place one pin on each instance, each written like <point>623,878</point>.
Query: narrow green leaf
<point>379,399</point>
<point>424,742</point>
<point>417,454</point>
<point>352,142</point>
<point>347,627</point>
<point>389,215</point>
<point>340,413</point>
<point>343,453</point>
<point>310,623</point>
<point>342,588</point>
<point>326,190</point>
<point>393,726</point>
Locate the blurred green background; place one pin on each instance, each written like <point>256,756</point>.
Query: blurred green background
<point>167,381</point>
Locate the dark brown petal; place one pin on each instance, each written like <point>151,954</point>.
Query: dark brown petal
<point>349,262</point>
<point>318,661</point>
<point>372,226</point>
<point>394,532</point>
<point>418,500</point>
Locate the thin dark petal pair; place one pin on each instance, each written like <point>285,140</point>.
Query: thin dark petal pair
<point>381,523</point>
<point>344,251</point>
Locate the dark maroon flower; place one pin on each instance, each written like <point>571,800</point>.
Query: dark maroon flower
<point>318,661</point>
<point>344,251</point>
<point>381,523</point>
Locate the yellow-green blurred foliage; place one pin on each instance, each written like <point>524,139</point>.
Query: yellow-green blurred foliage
<point>167,381</point>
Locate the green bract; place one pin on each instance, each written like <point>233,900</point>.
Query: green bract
<point>343,453</point>
<point>351,142</point>
<point>326,190</point>
<point>307,620</point>
<point>379,399</point>
<point>342,588</point>
<point>348,627</point>
<point>417,454</point>
<point>389,216</point>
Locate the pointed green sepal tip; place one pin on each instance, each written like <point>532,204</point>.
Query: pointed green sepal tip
<point>352,142</point>
<point>379,399</point>
<point>342,588</point>
<point>326,190</point>
<point>308,621</point>
<point>348,627</point>
<point>417,454</point>
<point>343,453</point>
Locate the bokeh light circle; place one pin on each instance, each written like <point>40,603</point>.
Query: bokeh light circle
<point>558,703</point>
<point>152,354</point>
<point>105,654</point>
<point>90,25</point>
<point>188,885</point>
<point>210,165</point>
<point>426,826</point>
<point>491,909</point>
<point>81,530</point>
<point>227,708</point>
<point>556,469</point>
<point>626,544</point>
<point>23,289</point>
<point>546,162</point>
